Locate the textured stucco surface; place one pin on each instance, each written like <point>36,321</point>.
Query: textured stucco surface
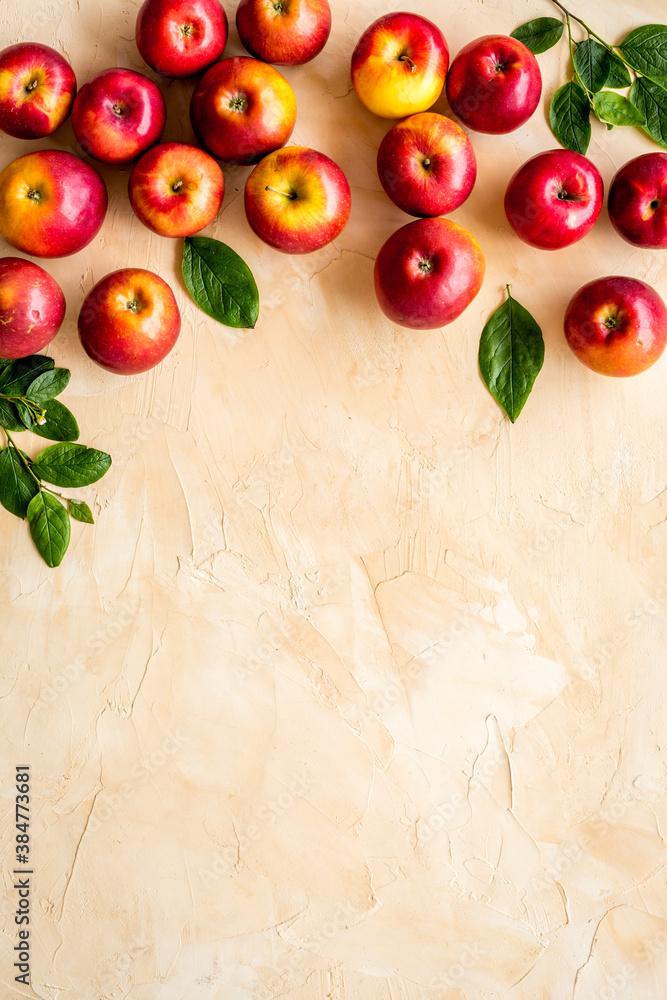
<point>354,690</point>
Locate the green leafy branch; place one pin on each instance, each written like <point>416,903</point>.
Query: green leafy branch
<point>599,71</point>
<point>28,388</point>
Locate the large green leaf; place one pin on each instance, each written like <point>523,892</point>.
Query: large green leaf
<point>592,63</point>
<point>511,354</point>
<point>569,117</point>
<point>60,423</point>
<point>220,282</point>
<point>645,49</point>
<point>49,527</point>
<point>616,109</point>
<point>71,464</point>
<point>17,486</point>
<point>539,34</point>
<point>652,102</point>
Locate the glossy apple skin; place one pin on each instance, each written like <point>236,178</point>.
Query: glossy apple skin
<point>129,321</point>
<point>554,199</point>
<point>37,87</point>
<point>285,32</point>
<point>308,206</point>
<point>242,109</point>
<point>176,189</point>
<point>381,71</point>
<point>616,326</point>
<point>426,164</point>
<point>180,38</point>
<point>637,202</point>
<point>118,115</point>
<point>52,204</point>
<point>427,273</point>
<point>494,84</point>
<point>32,307</point>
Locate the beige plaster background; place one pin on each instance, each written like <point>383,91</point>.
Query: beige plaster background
<point>355,690</point>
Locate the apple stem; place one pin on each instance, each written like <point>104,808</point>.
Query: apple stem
<point>117,110</point>
<point>287,194</point>
<point>31,86</point>
<point>177,186</point>
<point>408,60</point>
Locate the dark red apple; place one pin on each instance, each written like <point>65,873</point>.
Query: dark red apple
<point>426,164</point>
<point>286,32</point>
<point>32,307</point>
<point>554,199</point>
<point>616,326</point>
<point>494,84</point>
<point>181,37</point>
<point>637,201</point>
<point>427,272</point>
<point>37,87</point>
<point>118,115</point>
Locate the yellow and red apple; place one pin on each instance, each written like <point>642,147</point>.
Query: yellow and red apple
<point>287,32</point>
<point>181,37</point>
<point>427,273</point>
<point>37,87</point>
<point>242,109</point>
<point>426,164</point>
<point>32,307</point>
<point>52,203</point>
<point>176,189</point>
<point>129,321</point>
<point>117,115</point>
<point>399,65</point>
<point>297,200</point>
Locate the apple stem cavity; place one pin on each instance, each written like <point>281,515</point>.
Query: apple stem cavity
<point>286,194</point>
<point>239,103</point>
<point>279,7</point>
<point>186,29</point>
<point>426,266</point>
<point>31,86</point>
<point>404,57</point>
<point>117,110</point>
<point>176,186</point>
<point>34,194</point>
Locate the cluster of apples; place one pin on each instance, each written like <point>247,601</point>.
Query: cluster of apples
<point>430,270</point>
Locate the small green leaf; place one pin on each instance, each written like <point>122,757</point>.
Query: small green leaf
<point>48,384</point>
<point>59,425</point>
<point>220,282</point>
<point>569,117</point>
<point>511,354</point>
<point>652,103</point>
<point>25,416</point>
<point>16,377</point>
<point>49,527</point>
<point>9,417</point>
<point>645,49</point>
<point>80,511</point>
<point>591,61</point>
<point>71,464</point>
<point>540,34</point>
<point>616,109</point>
<point>619,77</point>
<point>17,487</point>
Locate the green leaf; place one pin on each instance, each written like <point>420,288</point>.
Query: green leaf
<point>60,424</point>
<point>220,282</point>
<point>591,61</point>
<point>49,527</point>
<point>71,465</point>
<point>9,417</point>
<point>645,49</point>
<point>616,109</point>
<point>48,384</point>
<point>16,377</point>
<point>619,76</point>
<point>569,117</point>
<point>540,34</point>
<point>511,353</point>
<point>17,487</point>
<point>80,511</point>
<point>25,416</point>
<point>652,102</point>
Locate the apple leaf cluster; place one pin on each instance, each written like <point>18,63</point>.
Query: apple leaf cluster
<point>600,70</point>
<point>220,282</point>
<point>511,354</point>
<point>28,388</point>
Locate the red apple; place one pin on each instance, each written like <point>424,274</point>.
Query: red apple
<point>32,307</point>
<point>118,115</point>
<point>52,204</point>
<point>129,321</point>
<point>176,189</point>
<point>427,272</point>
<point>37,87</point>
<point>494,84</point>
<point>181,37</point>
<point>242,109</point>
<point>399,65</point>
<point>637,201</point>
<point>554,199</point>
<point>616,326</point>
<point>427,165</point>
<point>287,32</point>
<point>297,200</point>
